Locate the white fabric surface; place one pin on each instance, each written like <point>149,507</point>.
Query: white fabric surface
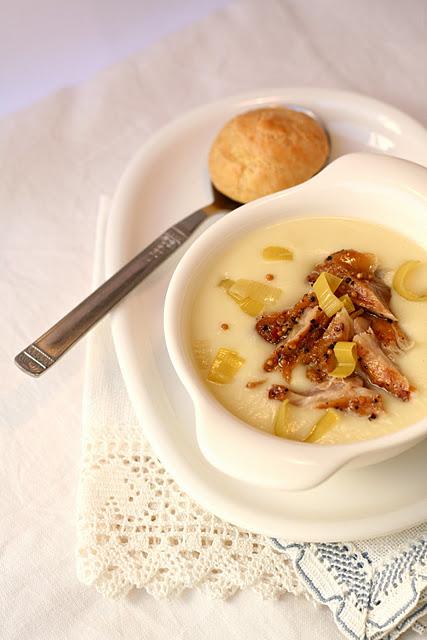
<point>55,159</point>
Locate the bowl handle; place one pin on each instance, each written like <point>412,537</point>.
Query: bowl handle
<point>258,458</point>
<point>375,168</point>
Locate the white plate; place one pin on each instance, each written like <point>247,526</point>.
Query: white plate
<point>168,179</point>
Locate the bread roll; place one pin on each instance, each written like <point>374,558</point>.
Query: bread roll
<point>266,150</point>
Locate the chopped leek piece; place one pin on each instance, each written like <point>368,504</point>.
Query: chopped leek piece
<point>225,366</point>
<point>277,253</point>
<point>258,291</point>
<point>203,353</point>
<point>236,296</point>
<point>251,307</point>
<point>226,283</point>
<point>346,356</point>
<point>280,424</point>
<point>250,295</point>
<point>399,282</point>
<point>347,302</point>
<point>323,426</point>
<point>324,288</point>
<point>332,281</point>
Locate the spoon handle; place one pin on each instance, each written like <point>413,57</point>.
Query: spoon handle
<point>46,350</point>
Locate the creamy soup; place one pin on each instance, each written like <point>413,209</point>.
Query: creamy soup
<point>218,322</point>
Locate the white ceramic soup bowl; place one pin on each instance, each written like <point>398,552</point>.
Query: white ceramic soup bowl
<point>370,187</point>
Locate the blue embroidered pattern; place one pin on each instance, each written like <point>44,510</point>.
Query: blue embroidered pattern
<point>393,573</point>
<point>359,590</point>
<point>349,568</point>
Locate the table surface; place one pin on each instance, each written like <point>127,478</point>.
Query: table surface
<point>56,158</point>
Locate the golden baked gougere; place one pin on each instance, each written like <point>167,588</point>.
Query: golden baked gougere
<point>266,150</point>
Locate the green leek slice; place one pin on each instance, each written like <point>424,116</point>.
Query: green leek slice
<point>258,291</point>
<point>250,295</point>
<point>346,357</point>
<point>236,296</point>
<point>226,283</point>
<point>203,353</point>
<point>280,424</point>
<point>251,307</point>
<point>225,366</point>
<point>323,426</point>
<point>399,282</point>
<point>324,288</point>
<point>277,253</point>
<point>347,302</point>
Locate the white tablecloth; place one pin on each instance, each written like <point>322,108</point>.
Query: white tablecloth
<point>56,158</point>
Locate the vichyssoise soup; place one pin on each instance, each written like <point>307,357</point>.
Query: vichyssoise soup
<point>316,330</point>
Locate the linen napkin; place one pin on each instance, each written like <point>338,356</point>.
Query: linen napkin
<point>136,528</point>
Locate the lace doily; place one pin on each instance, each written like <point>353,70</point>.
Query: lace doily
<point>137,529</point>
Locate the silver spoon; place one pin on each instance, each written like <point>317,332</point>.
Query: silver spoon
<point>46,350</point>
